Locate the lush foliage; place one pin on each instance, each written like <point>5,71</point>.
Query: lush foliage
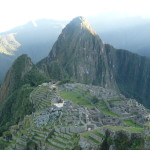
<point>16,107</point>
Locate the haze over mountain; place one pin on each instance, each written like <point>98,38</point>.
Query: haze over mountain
<point>33,38</point>
<point>86,112</point>
<point>37,37</point>
<point>123,32</point>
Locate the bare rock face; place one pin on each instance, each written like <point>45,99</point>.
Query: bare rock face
<point>80,54</point>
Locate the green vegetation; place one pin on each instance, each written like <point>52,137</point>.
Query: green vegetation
<point>131,123</point>
<point>129,129</point>
<point>108,140</point>
<point>107,112</point>
<point>3,143</point>
<point>75,98</point>
<point>94,100</point>
<point>82,97</point>
<point>22,80</point>
<point>56,71</point>
<point>94,140</point>
<point>7,135</point>
<point>147,124</point>
<point>65,81</point>
<point>122,142</point>
<point>16,107</point>
<point>148,138</point>
<point>95,132</point>
<point>34,77</point>
<point>31,145</point>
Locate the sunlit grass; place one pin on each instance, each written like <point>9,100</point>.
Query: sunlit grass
<point>131,123</point>
<point>75,98</point>
<point>129,129</point>
<point>147,124</point>
<point>110,113</point>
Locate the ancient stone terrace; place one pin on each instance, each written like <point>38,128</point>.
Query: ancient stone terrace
<point>76,114</point>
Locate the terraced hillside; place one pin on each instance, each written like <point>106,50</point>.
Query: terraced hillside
<point>77,116</point>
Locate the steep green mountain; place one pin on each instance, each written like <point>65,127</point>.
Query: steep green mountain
<point>14,76</point>
<point>80,55</point>
<point>5,63</point>
<point>20,80</point>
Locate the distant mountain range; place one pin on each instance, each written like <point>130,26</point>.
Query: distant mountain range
<point>36,38</point>
<point>33,38</point>
<point>123,32</point>
<point>135,38</point>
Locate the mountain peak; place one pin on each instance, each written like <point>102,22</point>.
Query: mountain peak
<point>79,19</point>
<point>79,54</point>
<point>82,23</point>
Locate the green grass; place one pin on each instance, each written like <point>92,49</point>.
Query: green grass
<point>147,124</point>
<point>129,129</point>
<point>88,105</point>
<point>57,141</point>
<point>81,97</point>
<point>95,131</point>
<point>65,139</point>
<point>75,98</point>
<point>131,123</point>
<point>85,134</point>
<point>148,138</point>
<point>110,113</point>
<point>92,139</point>
<point>54,145</point>
<point>98,134</point>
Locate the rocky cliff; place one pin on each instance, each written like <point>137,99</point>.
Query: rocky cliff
<point>132,73</point>
<point>80,55</point>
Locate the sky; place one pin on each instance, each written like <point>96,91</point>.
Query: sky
<point>18,12</point>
